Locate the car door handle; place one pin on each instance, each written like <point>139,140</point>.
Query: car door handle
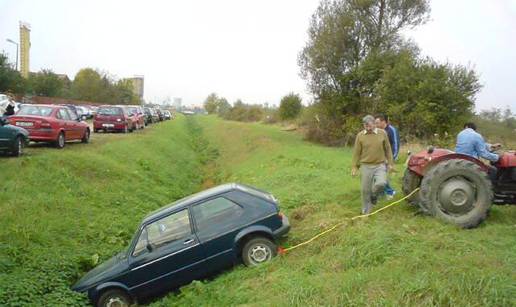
<point>186,242</point>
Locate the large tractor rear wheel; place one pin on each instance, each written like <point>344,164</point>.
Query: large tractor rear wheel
<point>412,181</point>
<point>457,191</point>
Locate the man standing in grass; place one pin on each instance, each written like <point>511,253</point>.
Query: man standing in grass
<point>373,155</point>
<point>382,122</point>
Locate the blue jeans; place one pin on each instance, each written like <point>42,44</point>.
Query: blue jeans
<point>388,190</point>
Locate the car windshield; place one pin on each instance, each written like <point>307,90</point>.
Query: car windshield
<point>133,110</point>
<point>109,111</point>
<point>35,110</point>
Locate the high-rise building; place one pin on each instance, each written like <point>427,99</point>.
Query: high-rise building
<point>24,49</point>
<point>138,86</point>
<point>178,101</point>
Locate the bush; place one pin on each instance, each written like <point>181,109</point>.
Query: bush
<point>290,106</point>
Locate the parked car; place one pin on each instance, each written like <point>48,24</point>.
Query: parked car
<point>112,118</point>
<point>160,114</point>
<point>51,123</point>
<point>12,139</point>
<point>139,117</point>
<point>190,239</point>
<point>84,111</point>
<point>167,115</point>
<point>74,112</point>
<point>149,119</point>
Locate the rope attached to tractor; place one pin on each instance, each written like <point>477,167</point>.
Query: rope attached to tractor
<point>285,250</point>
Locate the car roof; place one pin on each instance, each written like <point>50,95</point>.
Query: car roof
<point>181,203</point>
<point>45,105</point>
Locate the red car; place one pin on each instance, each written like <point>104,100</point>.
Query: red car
<point>51,123</point>
<point>139,117</point>
<point>113,118</point>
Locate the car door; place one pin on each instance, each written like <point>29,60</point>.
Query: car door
<point>173,259</point>
<point>6,136</point>
<point>64,120</point>
<point>217,222</point>
<point>74,124</point>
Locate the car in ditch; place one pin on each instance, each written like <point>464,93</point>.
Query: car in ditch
<point>189,239</point>
<point>12,139</point>
<point>51,123</point>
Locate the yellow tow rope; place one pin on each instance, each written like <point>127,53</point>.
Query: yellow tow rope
<point>284,250</point>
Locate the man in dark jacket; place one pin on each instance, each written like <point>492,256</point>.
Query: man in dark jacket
<point>382,122</point>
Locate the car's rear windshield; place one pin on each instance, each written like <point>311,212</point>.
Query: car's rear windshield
<point>133,110</point>
<point>35,110</point>
<point>109,111</point>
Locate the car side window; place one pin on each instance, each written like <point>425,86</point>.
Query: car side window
<point>166,230</point>
<point>217,213</point>
<point>63,114</point>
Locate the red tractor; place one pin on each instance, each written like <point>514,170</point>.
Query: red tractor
<point>457,188</point>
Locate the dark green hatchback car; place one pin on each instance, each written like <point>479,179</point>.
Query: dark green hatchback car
<point>187,240</point>
<point>12,139</point>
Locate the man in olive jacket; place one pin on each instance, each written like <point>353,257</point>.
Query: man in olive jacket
<point>373,155</point>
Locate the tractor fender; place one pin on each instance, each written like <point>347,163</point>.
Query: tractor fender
<point>436,160</point>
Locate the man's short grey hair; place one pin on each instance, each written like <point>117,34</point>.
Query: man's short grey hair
<point>368,119</point>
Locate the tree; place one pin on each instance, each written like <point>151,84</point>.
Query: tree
<point>290,106</point>
<point>211,103</point>
<point>425,98</point>
<point>11,80</point>
<point>46,83</point>
<point>87,85</point>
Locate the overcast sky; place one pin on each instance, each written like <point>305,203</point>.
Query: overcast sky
<point>240,49</point>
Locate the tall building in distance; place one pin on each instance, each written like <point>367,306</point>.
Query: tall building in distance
<point>178,101</point>
<point>24,49</point>
<point>138,85</point>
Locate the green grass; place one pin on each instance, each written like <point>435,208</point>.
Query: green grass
<point>60,210</point>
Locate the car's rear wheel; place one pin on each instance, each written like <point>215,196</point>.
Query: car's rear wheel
<point>18,146</point>
<point>60,142</point>
<point>86,136</point>
<point>114,298</point>
<point>258,250</point>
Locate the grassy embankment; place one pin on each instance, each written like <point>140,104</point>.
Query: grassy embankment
<point>61,210</point>
<point>394,258</point>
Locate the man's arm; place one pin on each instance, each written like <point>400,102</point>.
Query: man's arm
<point>357,152</point>
<point>388,151</point>
<point>481,148</point>
<point>395,143</point>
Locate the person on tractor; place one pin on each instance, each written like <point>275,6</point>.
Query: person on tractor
<point>471,143</point>
<point>382,121</point>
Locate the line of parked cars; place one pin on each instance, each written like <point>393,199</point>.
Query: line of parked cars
<point>127,118</point>
<point>58,124</point>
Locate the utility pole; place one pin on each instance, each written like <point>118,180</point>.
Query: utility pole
<point>17,45</point>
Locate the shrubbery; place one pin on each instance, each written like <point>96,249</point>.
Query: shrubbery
<point>356,62</point>
<point>290,106</point>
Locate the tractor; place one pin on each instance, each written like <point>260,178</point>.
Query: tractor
<point>457,188</point>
